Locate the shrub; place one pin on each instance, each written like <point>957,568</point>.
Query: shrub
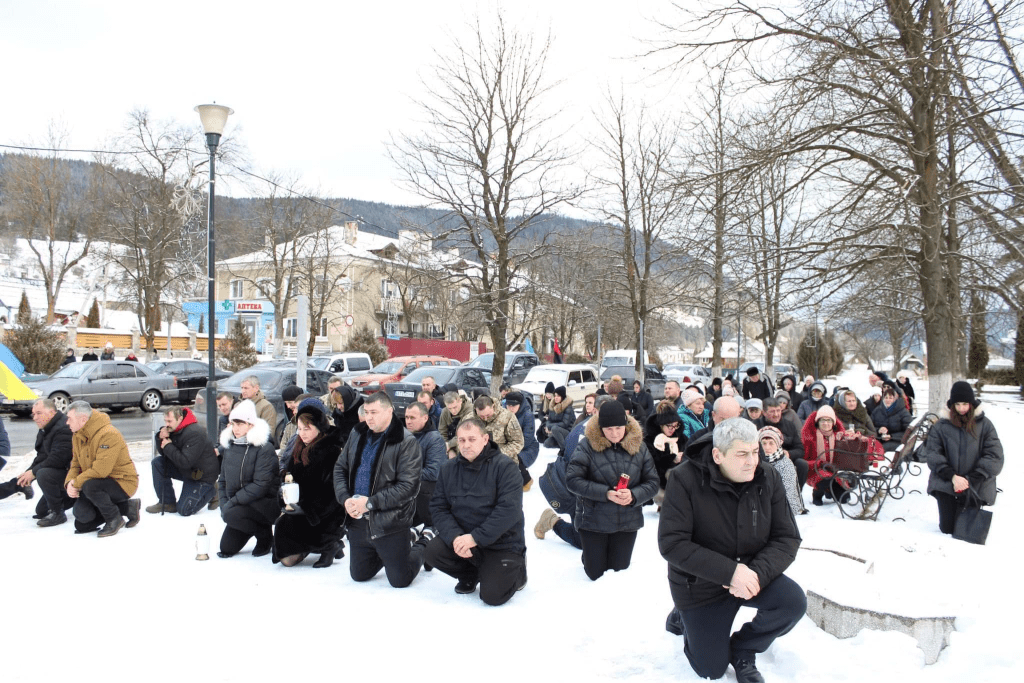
<point>36,345</point>
<point>364,340</point>
<point>238,353</point>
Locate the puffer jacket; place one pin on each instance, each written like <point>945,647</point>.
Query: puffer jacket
<point>950,450</point>
<point>249,469</point>
<point>505,432</point>
<point>449,423</point>
<point>434,451</point>
<point>562,414</point>
<point>594,470</point>
<point>483,498</point>
<point>53,446</point>
<point>895,419</point>
<point>190,450</point>
<point>693,423</point>
<point>100,452</point>
<point>708,525</point>
<point>394,482</point>
<point>528,426</point>
<point>316,480</point>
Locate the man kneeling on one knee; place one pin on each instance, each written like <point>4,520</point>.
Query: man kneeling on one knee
<point>479,543</point>
<point>186,454</point>
<point>728,533</point>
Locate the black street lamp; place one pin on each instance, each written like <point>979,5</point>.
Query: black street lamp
<point>213,116</point>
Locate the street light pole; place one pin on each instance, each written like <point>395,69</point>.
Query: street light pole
<point>213,117</point>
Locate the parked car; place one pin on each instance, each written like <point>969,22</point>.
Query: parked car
<point>578,380</point>
<point>620,357</point>
<point>687,374</point>
<point>345,365</point>
<point>783,369</point>
<point>517,364</point>
<point>464,377</point>
<point>105,384</point>
<point>192,376</point>
<point>654,381</point>
<point>394,369</point>
<point>273,380</point>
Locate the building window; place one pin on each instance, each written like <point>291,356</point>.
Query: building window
<point>435,332</point>
<point>391,328</point>
<point>417,329</point>
<point>291,327</point>
<point>453,333</point>
<point>236,289</point>
<point>323,327</point>
<point>388,289</point>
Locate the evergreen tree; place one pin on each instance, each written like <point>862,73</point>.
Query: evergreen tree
<point>977,348</point>
<point>202,320</point>
<point>24,310</point>
<point>820,354</point>
<point>365,341</point>
<point>36,345</point>
<point>92,320</point>
<point>238,353</point>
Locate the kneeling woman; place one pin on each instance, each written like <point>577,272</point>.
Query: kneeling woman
<point>612,475</point>
<point>964,454</point>
<point>249,482</point>
<point>315,524</point>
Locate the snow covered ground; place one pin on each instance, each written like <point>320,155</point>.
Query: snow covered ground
<point>138,606</point>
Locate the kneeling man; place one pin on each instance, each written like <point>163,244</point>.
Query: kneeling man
<point>728,533</point>
<point>478,513</point>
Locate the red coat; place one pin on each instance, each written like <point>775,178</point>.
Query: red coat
<point>809,436</point>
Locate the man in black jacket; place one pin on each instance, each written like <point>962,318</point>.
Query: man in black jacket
<point>49,467</point>
<point>377,479</point>
<point>477,541</point>
<point>756,386</point>
<point>187,455</point>
<point>728,535</point>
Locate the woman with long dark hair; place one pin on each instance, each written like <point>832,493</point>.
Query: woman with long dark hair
<point>964,454</point>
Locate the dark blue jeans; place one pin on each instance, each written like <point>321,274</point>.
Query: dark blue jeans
<point>709,647</point>
<point>567,532</point>
<point>194,494</point>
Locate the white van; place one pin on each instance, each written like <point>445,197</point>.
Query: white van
<point>345,365</point>
<point>626,357</point>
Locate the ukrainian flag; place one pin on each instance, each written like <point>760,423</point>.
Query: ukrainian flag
<point>12,388</point>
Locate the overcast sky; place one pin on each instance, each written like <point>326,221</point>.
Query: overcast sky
<point>318,88</point>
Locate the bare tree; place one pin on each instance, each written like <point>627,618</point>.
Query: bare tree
<point>489,159</point>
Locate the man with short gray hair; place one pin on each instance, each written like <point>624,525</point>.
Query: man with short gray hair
<point>265,410</point>
<point>49,467</point>
<point>728,534</point>
<point>102,477</point>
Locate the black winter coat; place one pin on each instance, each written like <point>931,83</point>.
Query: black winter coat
<point>435,451</point>
<point>394,482</point>
<point>483,498</point>
<point>190,450</point>
<point>759,389</point>
<point>594,471</point>
<point>316,480</point>
<point>664,459</point>
<point>795,395</point>
<point>709,525</point>
<point>562,415</point>
<point>249,470</point>
<point>53,446</point>
<point>346,421</point>
<point>950,450</point>
<point>895,421</point>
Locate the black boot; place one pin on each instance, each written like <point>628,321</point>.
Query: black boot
<point>326,556</point>
<point>674,622</point>
<point>53,519</point>
<point>816,497</point>
<point>111,527</point>
<point>746,670</point>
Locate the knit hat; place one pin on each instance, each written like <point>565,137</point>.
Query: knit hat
<point>690,395</point>
<point>549,388</point>
<point>962,393</point>
<point>514,398</point>
<point>315,408</point>
<point>753,371</point>
<point>808,377</point>
<point>877,391</point>
<point>244,411</point>
<point>754,403</point>
<point>770,433</point>
<point>825,411</point>
<point>291,392</point>
<point>611,414</point>
<point>783,395</point>
<point>667,417</point>
<point>560,391</point>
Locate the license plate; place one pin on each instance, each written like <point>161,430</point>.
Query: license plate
<point>405,394</point>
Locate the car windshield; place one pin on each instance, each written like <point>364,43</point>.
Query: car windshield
<point>484,360</point>
<point>268,378</point>
<point>441,374</point>
<point>388,367</point>
<point>157,366</point>
<point>72,371</point>
<point>545,375</point>
<point>320,363</point>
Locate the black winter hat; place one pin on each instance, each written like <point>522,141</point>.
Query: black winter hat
<point>549,388</point>
<point>624,399</point>
<point>560,391</point>
<point>316,410</point>
<point>611,414</point>
<point>962,393</point>
<point>753,371</point>
<point>514,398</point>
<point>291,392</point>
<point>348,396</point>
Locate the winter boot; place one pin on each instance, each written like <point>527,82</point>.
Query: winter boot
<point>215,503</point>
<point>746,670</point>
<point>326,556</point>
<point>466,586</point>
<point>111,527</point>
<point>53,519</point>
<point>546,523</point>
<point>134,507</point>
<point>817,496</point>
<point>674,622</point>
<point>162,507</point>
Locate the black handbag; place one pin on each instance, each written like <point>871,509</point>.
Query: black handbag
<point>973,523</point>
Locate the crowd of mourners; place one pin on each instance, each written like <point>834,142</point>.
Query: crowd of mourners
<point>442,488</point>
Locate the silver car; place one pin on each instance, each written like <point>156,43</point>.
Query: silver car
<point>108,384</point>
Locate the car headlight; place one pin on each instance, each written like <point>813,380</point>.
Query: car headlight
<point>38,393</point>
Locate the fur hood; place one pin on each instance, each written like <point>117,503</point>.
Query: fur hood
<point>257,436</point>
<point>978,413</point>
<point>631,442</point>
<point>560,408</point>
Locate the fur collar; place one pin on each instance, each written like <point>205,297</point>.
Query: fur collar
<point>631,442</point>
<point>978,412</point>
<point>257,436</point>
<point>560,408</point>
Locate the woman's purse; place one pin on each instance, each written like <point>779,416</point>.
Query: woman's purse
<point>973,523</point>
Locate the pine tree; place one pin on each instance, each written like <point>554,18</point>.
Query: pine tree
<point>92,321</point>
<point>365,341</point>
<point>36,345</point>
<point>238,353</point>
<point>24,310</point>
<point>828,356</point>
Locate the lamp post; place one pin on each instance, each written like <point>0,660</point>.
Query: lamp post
<point>213,116</point>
